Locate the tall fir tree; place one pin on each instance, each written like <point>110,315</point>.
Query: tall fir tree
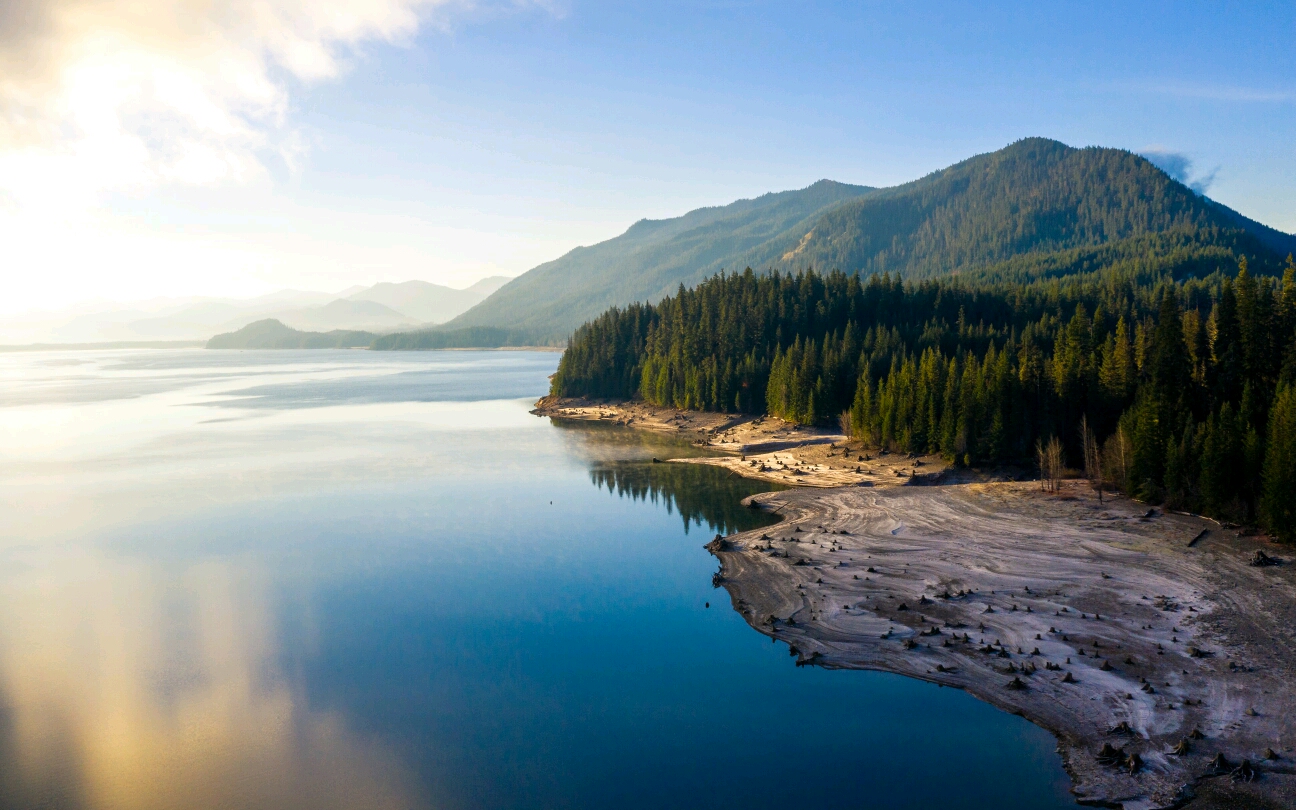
<point>1278,504</point>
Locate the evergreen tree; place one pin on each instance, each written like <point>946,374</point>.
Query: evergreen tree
<point>1277,505</point>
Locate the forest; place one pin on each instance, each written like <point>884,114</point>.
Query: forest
<point>1151,367</point>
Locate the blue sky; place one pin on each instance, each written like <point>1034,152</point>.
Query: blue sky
<point>485,139</point>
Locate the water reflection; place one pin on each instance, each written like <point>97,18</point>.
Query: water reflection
<point>130,686</point>
<point>622,461</point>
<point>700,494</point>
<point>601,442</point>
<point>343,595</point>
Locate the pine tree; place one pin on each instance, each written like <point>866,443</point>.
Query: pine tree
<point>1225,345</point>
<point>1222,463</point>
<point>1277,504</point>
<point>1169,367</point>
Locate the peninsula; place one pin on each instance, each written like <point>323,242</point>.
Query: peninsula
<point>1154,645</point>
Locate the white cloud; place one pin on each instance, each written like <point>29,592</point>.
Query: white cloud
<point>1180,167</point>
<point>99,95</point>
<point>1219,92</point>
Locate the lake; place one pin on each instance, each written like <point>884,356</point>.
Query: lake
<point>348,579</point>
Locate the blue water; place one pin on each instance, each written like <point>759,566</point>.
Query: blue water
<point>352,579</point>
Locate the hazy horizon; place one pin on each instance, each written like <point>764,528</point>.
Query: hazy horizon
<point>161,302</point>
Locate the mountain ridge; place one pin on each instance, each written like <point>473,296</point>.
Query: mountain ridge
<point>425,302</point>
<point>1034,197</point>
<point>660,254</point>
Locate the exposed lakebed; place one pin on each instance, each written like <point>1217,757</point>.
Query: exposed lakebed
<point>351,579</point>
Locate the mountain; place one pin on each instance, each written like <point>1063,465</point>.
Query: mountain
<point>1035,196</point>
<point>649,261</point>
<point>271,334</point>
<point>429,303</point>
<point>1035,203</point>
<point>200,320</point>
<point>344,313</point>
<point>488,285</point>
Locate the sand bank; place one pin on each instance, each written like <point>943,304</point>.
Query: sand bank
<point>762,447</point>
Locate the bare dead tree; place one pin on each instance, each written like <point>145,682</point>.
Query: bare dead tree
<point>1056,462</point>
<point>1051,464</point>
<point>1115,459</point>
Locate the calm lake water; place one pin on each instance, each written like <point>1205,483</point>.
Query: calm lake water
<point>368,580</point>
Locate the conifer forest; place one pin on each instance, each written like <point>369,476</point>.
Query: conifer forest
<point>1165,369</point>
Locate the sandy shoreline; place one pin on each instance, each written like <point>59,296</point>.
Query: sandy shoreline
<point>765,448</point>
<point>1080,616</point>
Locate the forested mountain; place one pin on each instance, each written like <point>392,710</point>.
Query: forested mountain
<point>1036,206</point>
<point>1034,197</point>
<point>1178,385</point>
<point>648,261</point>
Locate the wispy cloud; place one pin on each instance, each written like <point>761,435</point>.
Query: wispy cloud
<point>101,95</point>
<point>1180,167</point>
<point>1218,92</point>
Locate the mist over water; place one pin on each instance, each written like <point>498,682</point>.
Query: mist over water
<point>349,580</point>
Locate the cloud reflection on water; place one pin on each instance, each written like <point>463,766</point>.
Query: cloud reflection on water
<point>142,635</point>
<point>125,685</point>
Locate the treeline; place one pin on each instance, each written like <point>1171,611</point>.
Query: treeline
<point>469,337</point>
<point>1180,392</point>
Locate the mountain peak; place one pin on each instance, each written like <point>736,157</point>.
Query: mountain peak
<point>1035,197</point>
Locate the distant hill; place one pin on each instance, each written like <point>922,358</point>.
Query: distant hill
<point>346,314</point>
<point>427,303</point>
<point>1035,206</point>
<point>271,334</point>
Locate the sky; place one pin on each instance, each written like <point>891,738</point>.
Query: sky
<point>191,147</point>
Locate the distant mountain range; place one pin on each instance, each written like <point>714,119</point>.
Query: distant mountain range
<point>1033,207</point>
<point>271,334</point>
<point>428,303</point>
<point>382,308</point>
